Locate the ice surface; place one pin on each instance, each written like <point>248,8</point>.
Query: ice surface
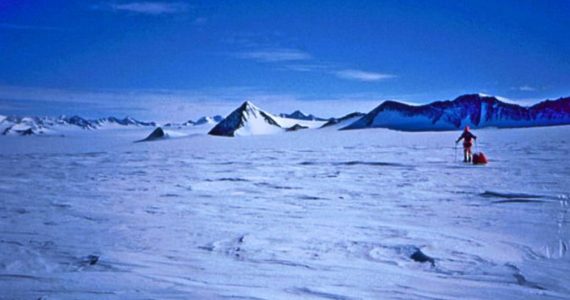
<point>319,214</point>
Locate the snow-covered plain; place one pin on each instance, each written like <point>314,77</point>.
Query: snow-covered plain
<point>316,214</point>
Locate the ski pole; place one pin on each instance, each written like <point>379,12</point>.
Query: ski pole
<point>455,156</point>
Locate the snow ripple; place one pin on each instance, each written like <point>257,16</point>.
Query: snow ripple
<point>335,218</point>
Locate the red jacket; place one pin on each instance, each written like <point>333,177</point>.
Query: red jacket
<point>467,138</point>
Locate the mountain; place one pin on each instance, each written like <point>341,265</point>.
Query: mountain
<point>296,127</point>
<point>475,110</point>
<point>343,121</point>
<point>178,125</point>
<point>157,134</point>
<point>10,125</point>
<point>123,122</point>
<point>209,120</point>
<point>14,125</point>
<point>247,119</point>
<point>299,115</point>
<point>202,121</point>
<point>75,120</point>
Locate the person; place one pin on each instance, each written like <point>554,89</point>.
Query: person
<point>467,138</point>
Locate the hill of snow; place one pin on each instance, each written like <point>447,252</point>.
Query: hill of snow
<point>475,110</point>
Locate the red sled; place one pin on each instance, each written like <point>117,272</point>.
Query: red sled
<point>479,159</point>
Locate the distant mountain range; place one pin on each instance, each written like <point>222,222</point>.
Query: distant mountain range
<point>475,110</point>
<point>203,120</point>
<point>14,125</point>
<point>299,115</point>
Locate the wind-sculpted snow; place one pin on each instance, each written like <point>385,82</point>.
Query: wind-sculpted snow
<point>324,214</point>
<point>475,110</point>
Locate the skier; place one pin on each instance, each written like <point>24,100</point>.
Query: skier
<point>467,137</point>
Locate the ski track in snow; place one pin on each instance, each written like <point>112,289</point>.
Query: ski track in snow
<point>308,215</point>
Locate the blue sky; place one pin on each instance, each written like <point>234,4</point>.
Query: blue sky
<point>180,59</point>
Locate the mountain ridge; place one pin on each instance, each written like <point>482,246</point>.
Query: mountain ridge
<point>33,125</point>
<point>473,110</point>
<point>299,115</point>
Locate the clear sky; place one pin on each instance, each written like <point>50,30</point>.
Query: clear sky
<point>180,59</point>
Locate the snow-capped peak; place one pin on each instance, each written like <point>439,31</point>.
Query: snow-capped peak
<point>299,115</point>
<point>500,98</point>
<point>475,110</point>
<point>208,120</point>
<point>247,119</point>
<point>43,125</point>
